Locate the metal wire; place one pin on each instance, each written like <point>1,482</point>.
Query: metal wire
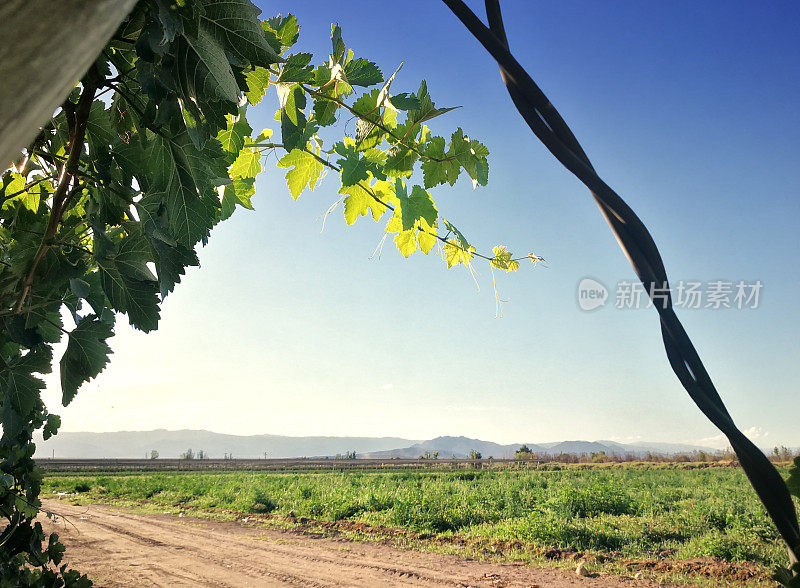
<point>642,252</point>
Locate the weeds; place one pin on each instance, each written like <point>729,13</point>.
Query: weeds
<point>632,512</point>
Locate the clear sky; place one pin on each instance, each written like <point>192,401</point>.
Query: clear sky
<point>689,110</point>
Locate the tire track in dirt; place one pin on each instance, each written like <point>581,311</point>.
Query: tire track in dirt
<point>120,548</point>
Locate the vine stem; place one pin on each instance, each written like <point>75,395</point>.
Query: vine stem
<point>368,189</point>
<point>77,121</point>
<point>378,124</point>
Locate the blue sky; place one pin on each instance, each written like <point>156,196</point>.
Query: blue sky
<point>687,109</point>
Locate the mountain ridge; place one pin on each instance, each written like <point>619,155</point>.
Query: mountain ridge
<point>133,444</point>
<point>460,447</point>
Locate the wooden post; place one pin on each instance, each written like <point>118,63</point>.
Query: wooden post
<point>45,48</point>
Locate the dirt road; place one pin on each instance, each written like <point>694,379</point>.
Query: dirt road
<point>119,547</point>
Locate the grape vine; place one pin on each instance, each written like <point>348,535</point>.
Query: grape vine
<point>101,215</point>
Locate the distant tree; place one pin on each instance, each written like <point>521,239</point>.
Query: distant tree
<point>475,454</point>
<point>188,454</point>
<point>153,454</point>
<point>523,452</point>
<point>202,454</point>
<point>435,455</point>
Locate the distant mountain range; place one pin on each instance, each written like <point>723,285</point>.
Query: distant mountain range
<point>133,444</point>
<point>461,446</point>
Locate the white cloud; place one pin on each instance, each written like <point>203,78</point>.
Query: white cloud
<point>628,439</point>
<point>754,433</point>
<point>717,442</point>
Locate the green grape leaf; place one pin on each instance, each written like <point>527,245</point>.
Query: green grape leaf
<point>235,26</point>
<point>438,172</point>
<point>37,360</point>
<point>129,285</point>
<point>20,394</point>
<point>426,110</point>
<point>471,155</point>
<point>15,193</point>
<point>181,177</point>
<point>502,259</point>
<point>238,192</point>
<point>86,355</point>
<point>262,136</point>
<point>455,255</point>
<point>417,206</point>
<point>121,116</point>
<point>247,164</point>
<point>361,72</point>
<point>296,69</point>
<point>257,82</point>
<point>406,242</point>
<point>80,288</point>
<point>367,104</point>
<point>47,323</point>
<point>234,136</point>
<point>462,241</point>
<point>203,68</point>
<point>400,163</point>
<point>426,236</point>
<point>51,426</point>
<point>19,389</point>
<point>170,20</point>
<point>337,43</point>
<point>281,32</point>
<point>325,111</point>
<point>356,166</point>
<point>305,171</point>
<point>359,201</point>
<point>171,262</point>
<point>405,101</point>
<point>368,133</point>
<point>100,132</point>
<point>295,130</point>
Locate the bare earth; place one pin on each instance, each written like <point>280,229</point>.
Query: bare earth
<point>119,547</point>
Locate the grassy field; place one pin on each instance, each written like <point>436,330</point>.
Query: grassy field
<point>630,512</point>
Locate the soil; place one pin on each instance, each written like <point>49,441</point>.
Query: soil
<point>120,547</point>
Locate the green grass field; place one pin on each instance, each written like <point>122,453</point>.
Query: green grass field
<point>634,512</point>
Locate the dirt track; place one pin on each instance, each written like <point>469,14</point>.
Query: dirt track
<point>119,547</point>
